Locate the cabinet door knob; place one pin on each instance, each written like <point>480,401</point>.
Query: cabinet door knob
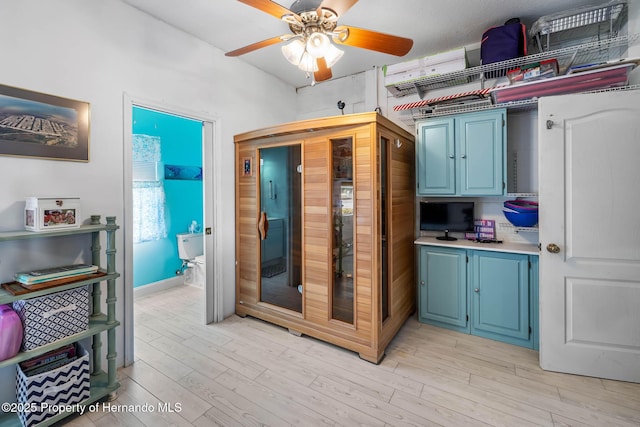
<point>476,290</point>
<point>464,156</point>
<point>422,282</point>
<point>553,248</point>
<point>451,156</point>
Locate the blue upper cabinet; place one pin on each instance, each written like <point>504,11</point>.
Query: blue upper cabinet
<point>436,165</point>
<point>481,148</point>
<point>463,155</point>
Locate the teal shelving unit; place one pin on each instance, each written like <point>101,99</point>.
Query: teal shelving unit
<point>103,382</point>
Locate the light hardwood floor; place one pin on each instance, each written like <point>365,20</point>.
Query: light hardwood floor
<point>245,372</point>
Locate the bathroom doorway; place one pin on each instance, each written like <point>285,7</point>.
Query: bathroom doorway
<point>167,195</point>
<point>173,167</point>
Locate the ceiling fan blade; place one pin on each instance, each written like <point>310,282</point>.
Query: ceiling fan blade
<point>254,46</point>
<point>373,40</point>
<point>340,7</point>
<point>270,7</point>
<point>324,72</point>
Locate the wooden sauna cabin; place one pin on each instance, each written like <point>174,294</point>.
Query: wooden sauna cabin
<point>325,229</point>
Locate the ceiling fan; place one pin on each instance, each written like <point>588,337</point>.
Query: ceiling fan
<point>313,24</point>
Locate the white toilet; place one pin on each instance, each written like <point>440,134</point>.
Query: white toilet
<point>191,252</point>
<point>198,269</point>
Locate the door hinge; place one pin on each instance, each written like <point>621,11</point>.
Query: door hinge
<point>529,265</point>
<point>504,122</point>
<point>467,317</point>
<point>467,259</point>
<point>529,330</point>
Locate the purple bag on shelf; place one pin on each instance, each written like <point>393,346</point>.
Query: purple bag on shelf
<point>501,43</point>
<point>10,332</point>
<point>507,41</point>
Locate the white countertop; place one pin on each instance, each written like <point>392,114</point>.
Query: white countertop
<point>517,248</point>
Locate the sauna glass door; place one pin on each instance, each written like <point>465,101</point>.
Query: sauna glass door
<point>384,152</point>
<point>280,226</point>
<point>343,229</point>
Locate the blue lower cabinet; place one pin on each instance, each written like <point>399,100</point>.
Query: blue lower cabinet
<point>533,301</point>
<point>443,287</point>
<point>489,294</point>
<point>499,293</point>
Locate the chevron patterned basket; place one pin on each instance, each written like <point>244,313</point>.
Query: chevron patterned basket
<point>52,317</point>
<point>52,390</point>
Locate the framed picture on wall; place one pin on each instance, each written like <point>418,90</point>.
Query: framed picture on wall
<point>34,124</point>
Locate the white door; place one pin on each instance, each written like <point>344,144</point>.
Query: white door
<point>589,164</point>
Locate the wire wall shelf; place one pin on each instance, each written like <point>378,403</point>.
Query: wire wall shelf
<point>579,26</point>
<point>517,195</point>
<point>411,116</point>
<point>425,113</point>
<point>513,228</point>
<point>595,51</point>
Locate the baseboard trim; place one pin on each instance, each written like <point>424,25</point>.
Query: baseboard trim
<point>158,286</point>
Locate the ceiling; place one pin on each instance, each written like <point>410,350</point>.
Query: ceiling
<point>434,25</point>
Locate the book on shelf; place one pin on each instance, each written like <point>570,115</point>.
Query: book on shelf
<point>44,275</point>
<point>49,361</point>
<point>50,356</point>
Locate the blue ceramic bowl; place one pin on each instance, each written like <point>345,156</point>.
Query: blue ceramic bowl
<point>521,205</point>
<point>521,219</point>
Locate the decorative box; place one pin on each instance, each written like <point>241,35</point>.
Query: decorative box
<point>51,213</point>
<point>40,396</point>
<point>52,317</point>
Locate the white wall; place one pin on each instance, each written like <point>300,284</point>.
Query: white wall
<point>357,91</point>
<point>96,51</point>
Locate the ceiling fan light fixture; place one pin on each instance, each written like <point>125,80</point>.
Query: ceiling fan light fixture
<point>333,55</point>
<point>341,35</point>
<point>314,30</point>
<point>317,44</point>
<point>308,63</point>
<point>294,51</point>
<point>291,19</point>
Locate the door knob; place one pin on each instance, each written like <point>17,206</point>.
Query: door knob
<point>476,290</point>
<point>553,248</point>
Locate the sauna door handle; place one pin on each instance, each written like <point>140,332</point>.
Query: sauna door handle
<point>263,225</point>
